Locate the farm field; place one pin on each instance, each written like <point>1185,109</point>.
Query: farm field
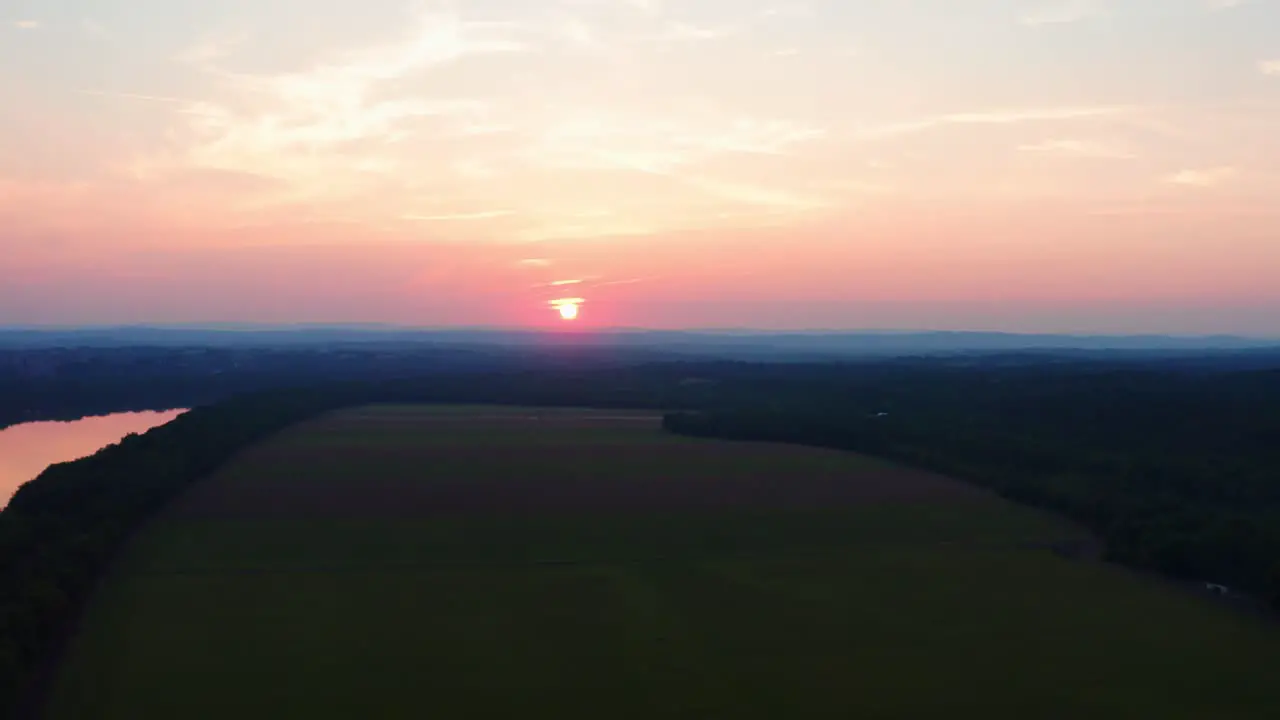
<point>411,561</point>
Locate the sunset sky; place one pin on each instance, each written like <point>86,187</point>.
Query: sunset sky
<point>1057,165</point>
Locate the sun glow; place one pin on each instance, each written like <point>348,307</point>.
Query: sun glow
<point>567,307</point>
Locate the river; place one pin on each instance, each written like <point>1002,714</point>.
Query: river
<point>27,449</point>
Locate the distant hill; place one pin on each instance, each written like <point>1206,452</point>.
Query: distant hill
<point>722,343</point>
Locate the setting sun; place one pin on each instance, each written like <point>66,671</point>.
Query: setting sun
<point>567,307</point>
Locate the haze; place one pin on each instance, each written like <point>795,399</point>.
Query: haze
<point>1068,166</point>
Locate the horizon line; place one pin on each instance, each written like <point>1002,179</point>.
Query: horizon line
<point>250,327</point>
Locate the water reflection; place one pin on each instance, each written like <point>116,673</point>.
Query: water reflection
<point>27,449</point>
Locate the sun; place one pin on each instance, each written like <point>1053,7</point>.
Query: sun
<point>567,307</point>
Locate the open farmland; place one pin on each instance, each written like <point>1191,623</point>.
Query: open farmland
<point>486,562</point>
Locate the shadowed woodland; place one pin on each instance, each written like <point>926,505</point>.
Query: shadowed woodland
<point>1174,467</point>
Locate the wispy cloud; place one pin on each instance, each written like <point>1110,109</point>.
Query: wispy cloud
<point>754,195</point>
<point>1076,148</point>
<point>1270,67</point>
<point>627,281</point>
<point>677,32</point>
<point>137,96</point>
<point>651,7</point>
<point>1062,12</point>
<point>476,169</point>
<point>614,142</point>
<point>577,33</point>
<point>1001,117</point>
<point>97,30</point>
<point>338,118</point>
<point>1202,178</point>
<point>788,10</point>
<point>455,217</point>
<point>595,281</point>
<point>754,136</point>
<point>680,32</point>
<point>27,24</point>
<point>995,117</point>
<point>208,50</point>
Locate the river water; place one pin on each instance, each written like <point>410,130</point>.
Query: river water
<point>27,449</point>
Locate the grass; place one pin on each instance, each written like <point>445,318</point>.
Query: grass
<point>405,562</point>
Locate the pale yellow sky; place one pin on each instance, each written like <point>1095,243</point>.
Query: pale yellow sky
<point>827,161</point>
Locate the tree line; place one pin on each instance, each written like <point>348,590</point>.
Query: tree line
<point>60,530</point>
<point>1176,472</point>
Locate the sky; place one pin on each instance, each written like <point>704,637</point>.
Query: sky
<point>1097,166</point>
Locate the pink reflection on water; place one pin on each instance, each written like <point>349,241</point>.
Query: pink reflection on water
<point>27,449</point>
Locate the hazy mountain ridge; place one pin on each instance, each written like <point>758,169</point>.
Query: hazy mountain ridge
<point>752,342</point>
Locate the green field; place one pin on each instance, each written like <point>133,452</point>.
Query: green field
<point>479,562</point>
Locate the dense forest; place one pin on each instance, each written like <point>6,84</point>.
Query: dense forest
<point>1176,471</point>
<point>1175,465</point>
<point>67,382</point>
<point>59,531</point>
